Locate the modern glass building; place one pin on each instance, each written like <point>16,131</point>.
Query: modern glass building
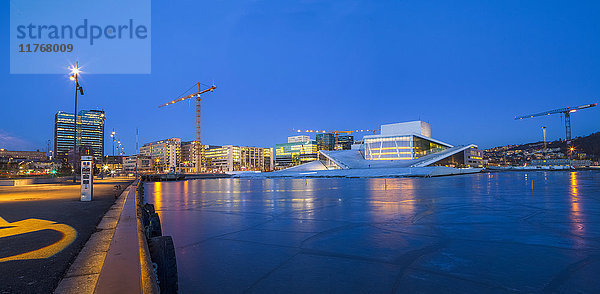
<point>402,141</point>
<point>344,142</point>
<point>400,147</point>
<point>90,133</point>
<point>290,154</point>
<point>329,141</point>
<point>63,134</point>
<point>326,141</point>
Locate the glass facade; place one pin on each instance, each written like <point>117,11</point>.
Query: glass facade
<point>471,157</point>
<point>290,154</point>
<point>399,147</point>
<point>90,132</point>
<point>325,141</point>
<point>63,134</point>
<point>329,141</point>
<point>422,147</point>
<point>344,142</point>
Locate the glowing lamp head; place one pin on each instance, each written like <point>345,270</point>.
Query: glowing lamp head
<point>72,78</point>
<point>75,70</point>
<point>572,149</point>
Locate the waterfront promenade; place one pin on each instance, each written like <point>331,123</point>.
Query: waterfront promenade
<point>34,255</point>
<point>487,233</point>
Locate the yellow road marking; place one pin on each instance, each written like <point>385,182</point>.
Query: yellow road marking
<point>33,225</point>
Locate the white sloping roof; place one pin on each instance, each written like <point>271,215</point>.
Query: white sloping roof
<point>435,157</point>
<point>353,159</point>
<point>309,166</point>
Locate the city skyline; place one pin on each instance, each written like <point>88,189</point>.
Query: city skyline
<point>334,65</point>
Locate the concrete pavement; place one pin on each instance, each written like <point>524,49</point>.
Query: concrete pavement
<point>43,228</point>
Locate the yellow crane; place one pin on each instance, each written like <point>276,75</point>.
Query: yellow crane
<point>198,154</point>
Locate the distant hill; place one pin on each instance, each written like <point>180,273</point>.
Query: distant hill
<point>587,147</point>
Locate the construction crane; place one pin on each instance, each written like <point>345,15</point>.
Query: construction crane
<point>567,114</point>
<point>199,160</point>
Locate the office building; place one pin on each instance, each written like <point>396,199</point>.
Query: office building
<point>330,141</point>
<point>90,133</point>
<point>296,139</point>
<point>165,154</point>
<point>137,163</point>
<point>188,160</point>
<point>18,156</point>
<point>230,158</point>
<point>325,141</point>
<point>296,152</point>
<point>344,142</point>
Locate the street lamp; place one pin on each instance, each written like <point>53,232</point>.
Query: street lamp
<point>120,153</point>
<point>112,135</point>
<point>75,71</point>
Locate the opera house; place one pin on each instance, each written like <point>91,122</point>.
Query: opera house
<point>401,149</point>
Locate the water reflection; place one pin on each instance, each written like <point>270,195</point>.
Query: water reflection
<point>378,219</point>
<point>186,192</point>
<point>158,202</point>
<point>575,216</point>
<point>391,198</point>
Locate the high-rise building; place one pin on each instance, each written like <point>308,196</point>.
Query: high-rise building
<point>329,141</point>
<point>326,141</point>
<point>90,133</point>
<point>164,153</point>
<point>290,154</point>
<point>344,142</point>
<point>230,158</point>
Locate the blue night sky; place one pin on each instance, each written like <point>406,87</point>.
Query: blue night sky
<point>466,67</point>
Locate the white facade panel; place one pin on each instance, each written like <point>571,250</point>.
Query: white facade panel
<point>296,139</point>
<point>407,128</point>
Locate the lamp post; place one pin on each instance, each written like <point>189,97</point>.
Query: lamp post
<point>75,71</point>
<point>112,135</point>
<point>119,148</point>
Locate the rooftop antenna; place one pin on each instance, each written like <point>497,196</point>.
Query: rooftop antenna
<point>137,148</point>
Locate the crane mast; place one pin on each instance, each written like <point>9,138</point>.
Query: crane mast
<point>198,154</point>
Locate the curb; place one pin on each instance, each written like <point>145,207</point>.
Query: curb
<point>82,275</point>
